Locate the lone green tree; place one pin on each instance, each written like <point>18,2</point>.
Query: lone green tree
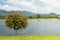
<point>16,21</point>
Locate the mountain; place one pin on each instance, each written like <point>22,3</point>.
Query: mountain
<point>4,13</point>
<point>26,13</point>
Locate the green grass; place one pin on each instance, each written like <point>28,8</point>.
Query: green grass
<point>29,37</point>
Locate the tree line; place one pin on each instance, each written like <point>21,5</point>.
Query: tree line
<point>45,16</point>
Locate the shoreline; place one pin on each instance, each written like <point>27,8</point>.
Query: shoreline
<point>40,19</point>
<point>45,19</point>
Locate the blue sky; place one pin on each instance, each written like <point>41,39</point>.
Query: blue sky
<point>35,6</point>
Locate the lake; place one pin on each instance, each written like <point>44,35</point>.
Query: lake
<point>35,27</point>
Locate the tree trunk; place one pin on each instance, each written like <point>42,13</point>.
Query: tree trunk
<point>16,31</point>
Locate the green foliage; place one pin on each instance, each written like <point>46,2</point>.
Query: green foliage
<point>16,21</point>
<point>38,16</point>
<point>2,17</point>
<point>58,17</point>
<point>30,17</point>
<point>52,15</point>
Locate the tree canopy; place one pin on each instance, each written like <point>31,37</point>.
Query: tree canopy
<point>16,21</point>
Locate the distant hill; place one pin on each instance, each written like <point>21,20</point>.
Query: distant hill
<point>4,13</point>
<point>26,13</point>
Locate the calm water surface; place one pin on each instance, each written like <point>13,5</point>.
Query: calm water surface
<point>35,27</point>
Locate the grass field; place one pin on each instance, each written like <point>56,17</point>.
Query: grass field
<point>29,37</point>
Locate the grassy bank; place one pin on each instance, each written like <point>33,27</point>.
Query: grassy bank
<point>45,19</point>
<point>29,37</point>
<point>41,19</point>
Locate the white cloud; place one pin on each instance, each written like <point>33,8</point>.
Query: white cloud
<point>54,3</point>
<point>8,8</point>
<point>36,6</point>
<point>24,5</point>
